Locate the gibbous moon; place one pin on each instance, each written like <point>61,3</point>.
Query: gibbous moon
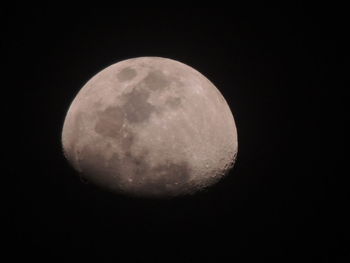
<point>150,127</point>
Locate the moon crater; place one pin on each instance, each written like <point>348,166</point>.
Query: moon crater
<point>126,74</point>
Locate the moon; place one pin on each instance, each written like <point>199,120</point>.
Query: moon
<point>150,127</point>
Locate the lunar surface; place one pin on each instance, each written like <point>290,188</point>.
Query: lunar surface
<point>150,127</point>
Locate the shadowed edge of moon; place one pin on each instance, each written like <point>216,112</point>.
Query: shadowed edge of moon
<point>134,175</point>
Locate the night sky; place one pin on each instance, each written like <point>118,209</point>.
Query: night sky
<point>276,67</point>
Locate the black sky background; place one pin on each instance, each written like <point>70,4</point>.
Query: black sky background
<point>276,67</point>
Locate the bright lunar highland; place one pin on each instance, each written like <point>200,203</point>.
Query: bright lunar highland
<point>150,127</point>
